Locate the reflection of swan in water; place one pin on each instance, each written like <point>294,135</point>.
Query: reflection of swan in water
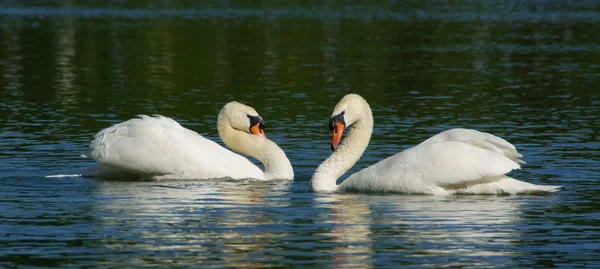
<point>464,228</point>
<point>220,217</point>
<point>351,231</point>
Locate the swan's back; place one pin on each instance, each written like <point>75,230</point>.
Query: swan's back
<point>478,139</point>
<point>160,147</point>
<point>431,168</point>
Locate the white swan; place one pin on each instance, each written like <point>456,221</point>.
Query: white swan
<point>454,161</point>
<point>159,148</point>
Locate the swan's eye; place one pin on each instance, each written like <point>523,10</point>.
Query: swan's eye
<point>254,120</point>
<point>337,118</point>
<point>331,125</point>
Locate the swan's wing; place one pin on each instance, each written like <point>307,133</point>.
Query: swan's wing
<point>160,146</point>
<point>454,163</point>
<point>479,139</point>
<point>429,166</point>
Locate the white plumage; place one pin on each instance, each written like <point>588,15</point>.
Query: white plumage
<point>454,161</point>
<point>160,148</point>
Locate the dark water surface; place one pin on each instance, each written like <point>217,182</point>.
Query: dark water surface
<point>528,71</point>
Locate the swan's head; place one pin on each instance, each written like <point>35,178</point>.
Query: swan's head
<point>346,112</point>
<point>242,118</point>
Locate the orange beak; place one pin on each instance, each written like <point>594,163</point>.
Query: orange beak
<point>257,130</point>
<point>337,134</point>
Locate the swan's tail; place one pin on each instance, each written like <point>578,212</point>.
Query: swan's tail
<point>507,185</point>
<point>549,188</point>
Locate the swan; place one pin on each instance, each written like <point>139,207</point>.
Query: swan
<point>160,148</point>
<point>456,161</point>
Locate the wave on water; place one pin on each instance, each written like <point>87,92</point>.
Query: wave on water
<point>63,175</point>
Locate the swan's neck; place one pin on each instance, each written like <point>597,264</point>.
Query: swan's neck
<point>277,165</point>
<point>345,156</point>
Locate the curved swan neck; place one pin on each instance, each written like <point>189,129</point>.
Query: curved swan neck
<point>277,165</point>
<point>346,155</point>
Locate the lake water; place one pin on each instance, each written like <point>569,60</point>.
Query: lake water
<point>527,71</point>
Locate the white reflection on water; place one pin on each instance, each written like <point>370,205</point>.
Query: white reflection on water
<point>351,218</point>
<point>65,66</point>
<point>204,222</point>
<point>464,230</point>
<point>245,224</point>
